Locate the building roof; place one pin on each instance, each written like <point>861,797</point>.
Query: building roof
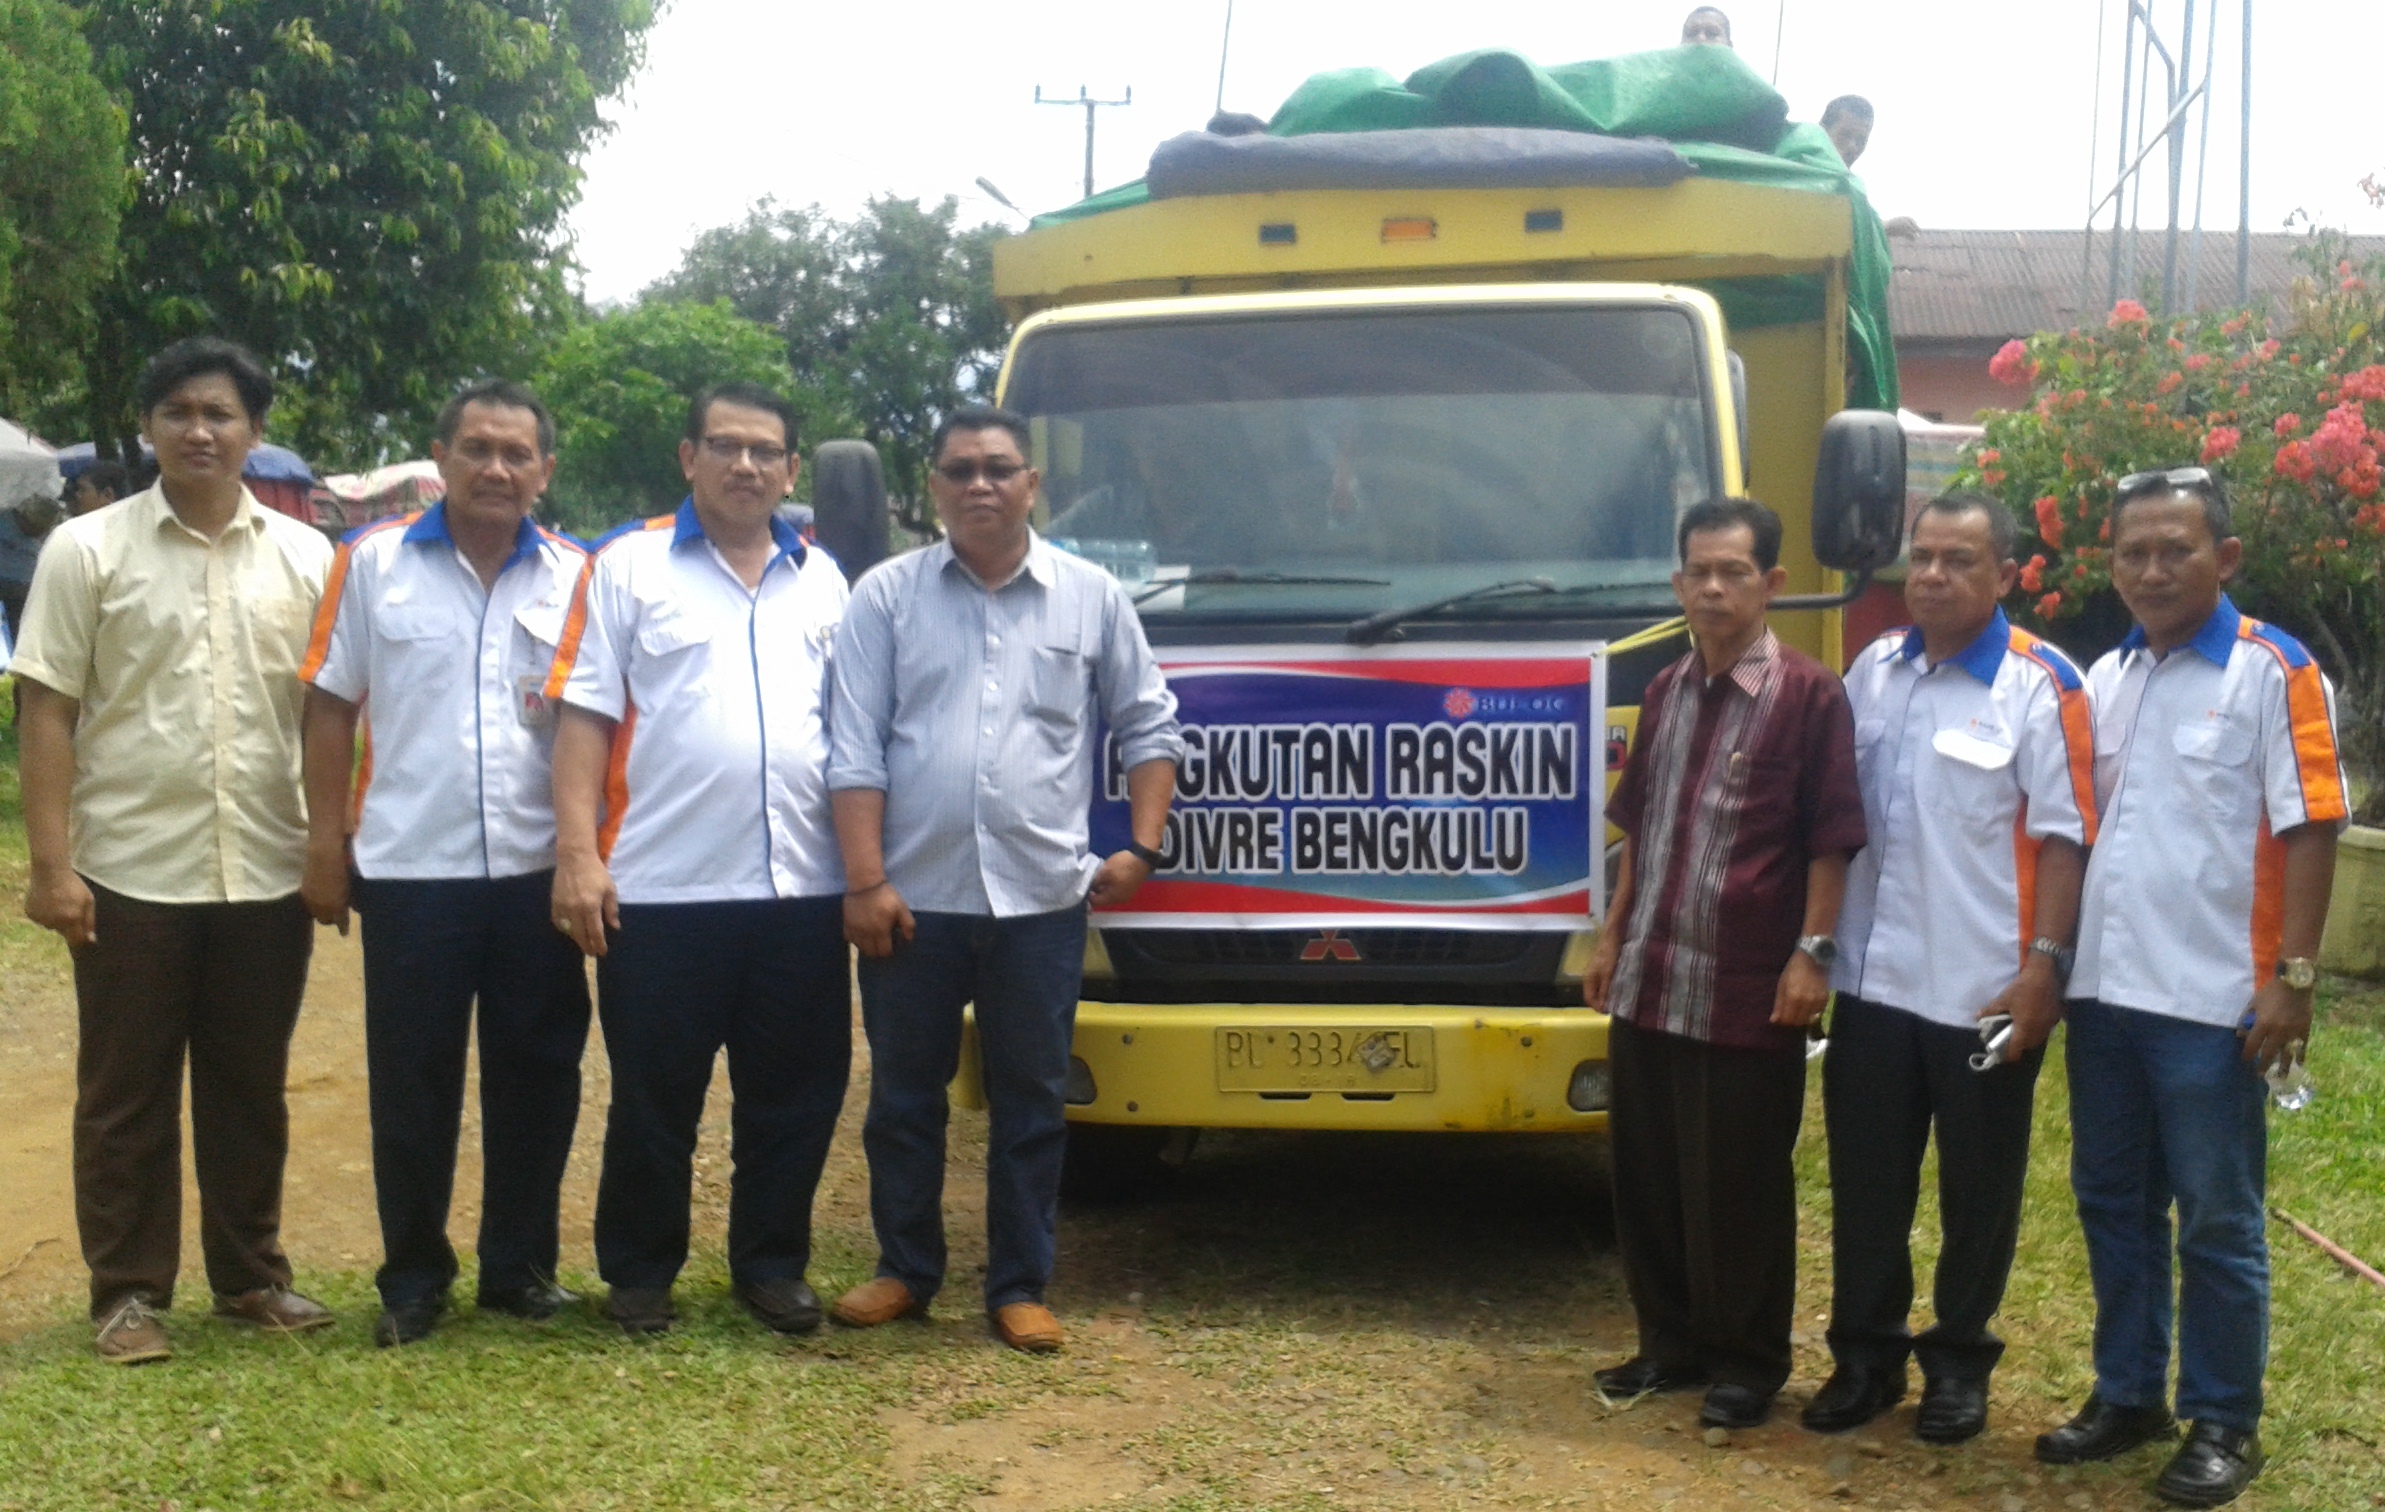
<point>1949,286</point>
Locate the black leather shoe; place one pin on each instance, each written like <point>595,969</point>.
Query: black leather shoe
<point>536,1302</point>
<point>2102,1431</point>
<point>785,1306</point>
<point>2212,1467</point>
<point>1641,1375</point>
<point>1852,1397</point>
<point>1952,1409</point>
<point>640,1309</point>
<point>409,1322</point>
<point>1729,1406</point>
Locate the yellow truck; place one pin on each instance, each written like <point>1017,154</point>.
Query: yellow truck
<point>1393,473</point>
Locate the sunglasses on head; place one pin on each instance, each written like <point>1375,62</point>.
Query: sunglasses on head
<point>2192,479</point>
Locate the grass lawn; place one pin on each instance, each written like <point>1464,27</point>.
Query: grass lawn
<point>1282,1333</point>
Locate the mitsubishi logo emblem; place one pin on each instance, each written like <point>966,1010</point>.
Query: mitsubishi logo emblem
<point>1329,946</point>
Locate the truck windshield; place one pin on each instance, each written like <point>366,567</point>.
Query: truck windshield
<point>1328,464</point>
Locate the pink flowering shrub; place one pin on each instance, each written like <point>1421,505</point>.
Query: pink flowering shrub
<point>2238,394</point>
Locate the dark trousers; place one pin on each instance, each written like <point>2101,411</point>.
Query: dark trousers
<point>1023,974</point>
<point>220,982</point>
<point>1706,1200</point>
<point>768,980</point>
<point>1889,1078</point>
<point>431,949</point>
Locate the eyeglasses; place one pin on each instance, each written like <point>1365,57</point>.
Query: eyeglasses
<point>2196,478</point>
<point>962,474</point>
<point>722,449</point>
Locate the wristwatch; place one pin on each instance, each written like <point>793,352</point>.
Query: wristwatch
<point>2055,951</point>
<point>1822,948</point>
<point>2298,972</point>
<point>1144,854</point>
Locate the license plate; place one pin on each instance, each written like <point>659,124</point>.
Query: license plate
<point>1337,1058</point>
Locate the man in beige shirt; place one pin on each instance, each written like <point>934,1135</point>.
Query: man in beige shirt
<point>160,743</point>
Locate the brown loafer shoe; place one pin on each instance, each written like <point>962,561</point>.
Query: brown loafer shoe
<point>881,1299</point>
<point>1027,1326</point>
<point>132,1335</point>
<point>276,1309</point>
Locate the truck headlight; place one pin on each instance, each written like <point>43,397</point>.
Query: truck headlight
<point>1587,1092</point>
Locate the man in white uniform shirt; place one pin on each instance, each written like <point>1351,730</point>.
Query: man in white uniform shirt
<point>436,633</point>
<point>696,861</point>
<point>1973,745</point>
<point>2221,795</point>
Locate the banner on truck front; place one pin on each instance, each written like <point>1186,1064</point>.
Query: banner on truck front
<point>1387,785</point>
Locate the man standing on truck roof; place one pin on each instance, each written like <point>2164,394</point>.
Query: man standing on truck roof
<point>437,633</point>
<point>1975,749</point>
<point>695,860</point>
<point>1739,808</point>
<point>970,676</point>
<point>1847,121</point>
<point>2221,795</point>
<point>1706,26</point>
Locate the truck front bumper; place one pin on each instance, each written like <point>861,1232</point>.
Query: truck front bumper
<point>1511,1070</point>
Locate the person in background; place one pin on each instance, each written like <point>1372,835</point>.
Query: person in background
<point>1706,26</point>
<point>1975,749</point>
<point>970,806</point>
<point>1739,807</point>
<point>167,828</point>
<point>2221,794</point>
<point>437,632</point>
<point>101,484</point>
<point>695,859</point>
<point>1847,121</point>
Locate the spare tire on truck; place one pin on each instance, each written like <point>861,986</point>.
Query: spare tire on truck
<point>849,504</point>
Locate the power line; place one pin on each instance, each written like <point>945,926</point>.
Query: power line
<point>1090,104</point>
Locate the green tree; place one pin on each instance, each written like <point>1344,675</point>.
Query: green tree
<point>620,386</point>
<point>890,318</point>
<point>61,183</point>
<point>371,193</point>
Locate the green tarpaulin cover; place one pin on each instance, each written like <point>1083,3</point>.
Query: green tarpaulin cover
<point>1715,110</point>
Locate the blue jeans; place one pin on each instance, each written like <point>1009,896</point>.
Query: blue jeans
<point>2165,1112</point>
<point>1023,974</point>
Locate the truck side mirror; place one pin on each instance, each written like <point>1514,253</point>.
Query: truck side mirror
<point>849,504</point>
<point>1859,491</point>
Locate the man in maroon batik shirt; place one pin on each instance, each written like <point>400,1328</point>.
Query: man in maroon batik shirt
<point>1739,808</point>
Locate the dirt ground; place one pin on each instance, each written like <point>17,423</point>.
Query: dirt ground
<point>1430,1305</point>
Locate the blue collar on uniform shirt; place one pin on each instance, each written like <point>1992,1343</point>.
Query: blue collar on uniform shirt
<point>2215,642</point>
<point>689,527</point>
<point>433,527</point>
<point>1982,658</point>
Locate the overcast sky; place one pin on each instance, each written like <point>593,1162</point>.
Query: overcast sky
<point>1985,111</point>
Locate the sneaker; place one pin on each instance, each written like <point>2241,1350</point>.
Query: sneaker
<point>132,1335</point>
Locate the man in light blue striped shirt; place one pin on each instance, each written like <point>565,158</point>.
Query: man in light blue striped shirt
<point>971,680</point>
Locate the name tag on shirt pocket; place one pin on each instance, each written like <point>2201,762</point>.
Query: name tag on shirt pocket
<point>1972,749</point>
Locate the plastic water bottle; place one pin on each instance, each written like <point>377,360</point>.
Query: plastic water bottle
<point>2290,1084</point>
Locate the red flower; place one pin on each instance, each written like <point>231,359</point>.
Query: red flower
<point>2128,312</point>
<point>2198,362</point>
<point>2368,383</point>
<point>2033,575</point>
<point>2011,364</point>
<point>2287,425</point>
<point>2221,443</point>
<point>2295,461</point>
<point>2170,383</point>
<point>2049,606</point>
<point>2049,520</point>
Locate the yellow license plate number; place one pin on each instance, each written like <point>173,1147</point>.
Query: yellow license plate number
<point>1320,1058</point>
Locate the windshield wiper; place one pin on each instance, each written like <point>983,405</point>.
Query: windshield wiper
<point>1209,576</point>
<point>1374,627</point>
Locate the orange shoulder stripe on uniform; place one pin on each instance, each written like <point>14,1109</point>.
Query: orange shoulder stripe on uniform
<point>2315,760</point>
<point>2078,724</point>
<point>327,609</point>
<point>575,620</point>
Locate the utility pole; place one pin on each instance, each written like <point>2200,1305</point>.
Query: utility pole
<point>1091,105</point>
<point>1225,44</point>
<point>2244,175</point>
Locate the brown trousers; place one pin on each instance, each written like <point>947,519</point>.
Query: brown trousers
<point>222,982</point>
